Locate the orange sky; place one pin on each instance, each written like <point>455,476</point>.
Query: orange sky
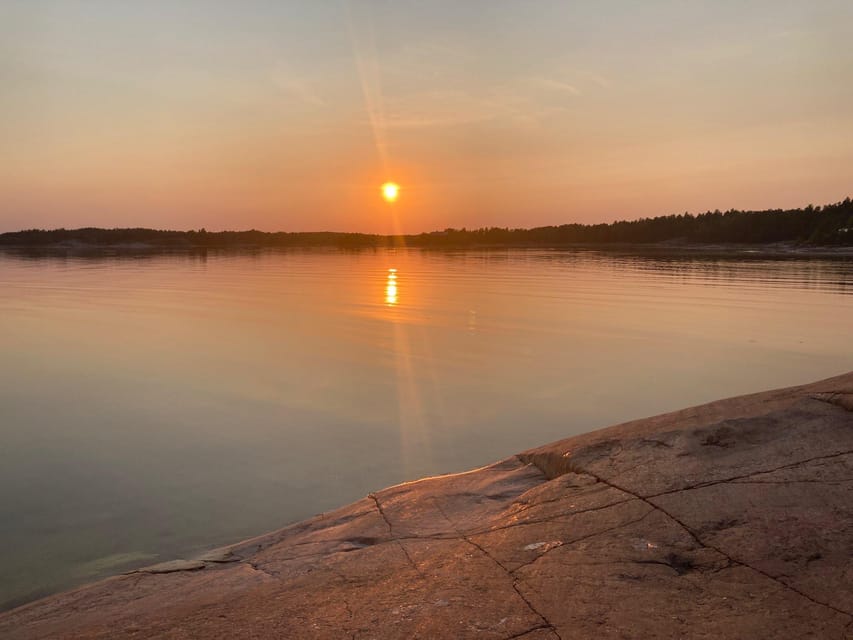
<point>289,115</point>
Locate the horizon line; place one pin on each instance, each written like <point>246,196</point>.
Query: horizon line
<point>434,231</point>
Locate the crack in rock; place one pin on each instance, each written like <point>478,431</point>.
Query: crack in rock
<point>533,505</point>
<point>839,399</point>
<point>555,518</point>
<point>701,543</point>
<point>350,617</point>
<point>267,572</point>
<point>396,540</point>
<point>515,588</point>
<point>528,631</point>
<point>413,564</point>
<point>547,624</point>
<point>791,465</point>
<point>805,481</point>
<point>583,538</point>
<point>381,511</point>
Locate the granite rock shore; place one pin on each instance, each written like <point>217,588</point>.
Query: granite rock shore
<point>728,520</point>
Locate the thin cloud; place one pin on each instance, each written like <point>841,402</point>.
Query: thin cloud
<point>293,84</point>
<point>598,79</point>
<point>299,89</point>
<point>551,84</point>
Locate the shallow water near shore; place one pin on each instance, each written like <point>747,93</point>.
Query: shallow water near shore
<point>156,405</point>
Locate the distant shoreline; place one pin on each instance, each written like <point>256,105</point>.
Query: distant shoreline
<point>827,229</point>
<point>767,250</point>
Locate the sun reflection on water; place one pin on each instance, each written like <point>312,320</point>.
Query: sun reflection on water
<point>391,288</point>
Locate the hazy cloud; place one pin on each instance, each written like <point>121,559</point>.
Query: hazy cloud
<point>289,83</point>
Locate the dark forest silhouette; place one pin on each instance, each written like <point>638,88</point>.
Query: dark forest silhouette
<point>828,225</point>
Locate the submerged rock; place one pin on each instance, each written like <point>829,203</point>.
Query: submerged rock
<point>728,520</point>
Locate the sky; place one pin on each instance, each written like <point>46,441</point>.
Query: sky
<point>284,115</point>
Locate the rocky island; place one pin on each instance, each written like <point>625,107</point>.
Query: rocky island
<point>728,520</point>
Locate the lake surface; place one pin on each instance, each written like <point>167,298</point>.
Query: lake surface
<point>154,406</point>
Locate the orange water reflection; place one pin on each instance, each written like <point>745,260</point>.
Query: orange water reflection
<point>391,288</point>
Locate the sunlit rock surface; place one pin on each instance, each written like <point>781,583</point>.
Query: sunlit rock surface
<point>729,520</point>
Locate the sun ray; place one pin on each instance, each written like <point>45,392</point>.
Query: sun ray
<point>367,64</point>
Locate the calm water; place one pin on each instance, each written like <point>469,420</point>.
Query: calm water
<point>152,407</point>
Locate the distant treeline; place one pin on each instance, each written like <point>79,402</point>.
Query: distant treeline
<point>141,238</point>
<point>828,225</point>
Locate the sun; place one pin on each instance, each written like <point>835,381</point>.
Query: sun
<point>390,191</point>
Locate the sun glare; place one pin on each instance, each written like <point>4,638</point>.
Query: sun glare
<point>390,191</point>
<point>391,288</point>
